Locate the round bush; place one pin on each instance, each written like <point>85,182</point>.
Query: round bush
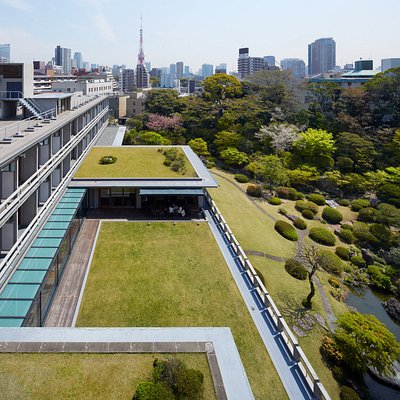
<point>295,268</point>
<point>367,214</point>
<point>322,236</point>
<point>241,178</point>
<point>357,205</point>
<point>346,236</point>
<point>334,282</point>
<point>347,226</point>
<point>282,192</point>
<point>386,238</point>
<point>343,202</point>
<point>153,391</point>
<point>317,199</point>
<point>343,253</point>
<point>167,162</point>
<point>107,160</point>
<point>331,262</point>
<point>275,201</point>
<point>367,238</point>
<point>347,393</point>
<point>254,190</point>
<point>307,214</point>
<point>286,230</point>
<point>388,191</point>
<point>295,195</point>
<point>300,224</point>
<point>302,205</point>
<point>358,261</point>
<point>331,215</point>
<point>283,211</point>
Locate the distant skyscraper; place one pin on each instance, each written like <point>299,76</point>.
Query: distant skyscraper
<point>128,80</point>
<point>207,70</point>
<point>186,71</point>
<point>63,59</point>
<point>172,70</point>
<point>78,59</point>
<point>221,69</point>
<point>388,63</point>
<point>296,66</point>
<point>248,65</point>
<point>321,56</point>
<point>179,69</point>
<point>270,61</point>
<point>148,66</point>
<point>142,76</point>
<point>5,52</point>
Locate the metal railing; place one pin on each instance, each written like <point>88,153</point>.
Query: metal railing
<point>10,261</point>
<point>291,342</point>
<point>11,95</point>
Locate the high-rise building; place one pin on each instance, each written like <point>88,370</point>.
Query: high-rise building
<point>388,63</point>
<point>186,71</point>
<point>128,82</point>
<point>78,59</point>
<point>62,58</point>
<point>248,65</point>
<point>221,69</point>
<point>321,56</point>
<point>5,52</point>
<point>296,66</point>
<point>142,76</point>
<point>148,65</point>
<point>207,70</point>
<point>179,69</point>
<point>172,70</point>
<point>269,60</point>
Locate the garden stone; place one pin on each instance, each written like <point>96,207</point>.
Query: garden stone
<point>392,307</point>
<point>298,331</point>
<point>368,256</point>
<point>291,217</point>
<point>391,378</point>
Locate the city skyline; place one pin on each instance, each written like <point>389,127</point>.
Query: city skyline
<point>195,35</point>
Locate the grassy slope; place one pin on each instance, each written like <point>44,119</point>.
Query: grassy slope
<point>158,275</point>
<point>139,162</point>
<point>255,231</point>
<point>84,376</point>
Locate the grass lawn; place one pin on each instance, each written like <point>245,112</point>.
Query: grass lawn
<point>165,275</point>
<point>84,376</point>
<point>132,162</point>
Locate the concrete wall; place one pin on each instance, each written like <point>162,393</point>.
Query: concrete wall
<point>28,164</point>
<point>8,109</point>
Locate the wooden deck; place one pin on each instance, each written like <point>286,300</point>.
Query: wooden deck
<point>63,307</point>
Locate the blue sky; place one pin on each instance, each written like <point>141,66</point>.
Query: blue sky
<point>196,32</point>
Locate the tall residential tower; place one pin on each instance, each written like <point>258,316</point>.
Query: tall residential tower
<point>321,56</point>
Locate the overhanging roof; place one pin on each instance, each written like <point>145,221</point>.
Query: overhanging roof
<point>171,192</point>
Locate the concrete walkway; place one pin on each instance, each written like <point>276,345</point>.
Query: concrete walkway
<point>108,136</point>
<point>287,368</point>
<point>119,137</point>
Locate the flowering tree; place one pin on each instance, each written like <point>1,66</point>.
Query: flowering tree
<point>280,135</point>
<point>157,122</point>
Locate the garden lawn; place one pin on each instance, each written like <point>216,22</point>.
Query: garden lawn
<point>132,162</point>
<point>84,376</point>
<point>161,274</point>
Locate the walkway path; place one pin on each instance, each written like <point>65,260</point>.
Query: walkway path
<point>287,368</point>
<point>65,301</point>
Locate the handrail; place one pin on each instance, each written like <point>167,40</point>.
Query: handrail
<point>291,342</point>
<point>11,95</point>
<point>9,262</point>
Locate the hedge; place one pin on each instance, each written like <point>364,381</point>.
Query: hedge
<point>300,224</point>
<point>367,214</point>
<point>343,253</point>
<point>331,215</point>
<point>389,193</point>
<point>358,261</point>
<point>282,192</point>
<point>331,262</point>
<point>302,205</point>
<point>317,199</point>
<point>254,190</point>
<point>357,205</point>
<point>347,226</point>
<point>295,268</point>
<point>286,230</point>
<point>307,214</point>
<point>322,236</point>
<point>241,178</point>
<point>295,195</point>
<point>275,201</point>
<point>346,236</point>
<point>363,237</point>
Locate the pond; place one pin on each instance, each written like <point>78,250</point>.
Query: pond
<point>367,301</point>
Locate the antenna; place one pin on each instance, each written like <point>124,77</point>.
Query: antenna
<point>141,52</point>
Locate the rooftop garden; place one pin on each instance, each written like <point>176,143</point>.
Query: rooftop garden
<point>136,162</point>
<point>155,274</point>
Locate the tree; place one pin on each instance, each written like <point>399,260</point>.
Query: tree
<point>151,138</point>
<point>234,157</point>
<point>280,135</point>
<point>225,139</point>
<point>365,342</point>
<point>199,146</point>
<point>270,169</point>
<point>303,175</point>
<point>219,87</point>
<point>388,214</point>
<point>162,101</point>
<point>158,122</point>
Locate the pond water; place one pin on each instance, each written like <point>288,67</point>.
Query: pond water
<point>367,301</point>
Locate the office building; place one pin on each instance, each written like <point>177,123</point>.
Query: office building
<point>186,71</point>
<point>179,69</point>
<point>321,56</point>
<point>207,70</point>
<point>5,53</point>
<point>269,61</point>
<point>221,69</point>
<point>296,66</point>
<point>127,81</point>
<point>62,58</point>
<point>172,70</point>
<point>78,60</point>
<point>388,63</point>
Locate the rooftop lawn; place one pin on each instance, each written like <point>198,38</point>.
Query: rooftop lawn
<point>132,162</point>
<point>84,376</point>
<point>163,274</point>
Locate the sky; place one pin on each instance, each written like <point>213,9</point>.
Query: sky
<point>197,32</point>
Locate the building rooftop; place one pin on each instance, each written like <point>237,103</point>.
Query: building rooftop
<point>52,95</point>
<point>360,74</point>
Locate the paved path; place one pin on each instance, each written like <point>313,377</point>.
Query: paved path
<point>65,301</point>
<point>288,370</point>
<point>108,136</point>
<point>266,255</point>
<point>226,367</point>
<point>330,315</point>
<point>119,137</point>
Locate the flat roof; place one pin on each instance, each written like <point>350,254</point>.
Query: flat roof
<point>52,95</point>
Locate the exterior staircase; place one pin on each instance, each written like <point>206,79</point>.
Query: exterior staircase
<point>32,106</point>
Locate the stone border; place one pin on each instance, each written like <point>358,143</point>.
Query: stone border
<point>228,374</point>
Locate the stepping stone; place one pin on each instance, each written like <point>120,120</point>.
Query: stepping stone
<point>304,325</point>
<point>321,320</point>
<point>309,319</point>
<point>298,331</point>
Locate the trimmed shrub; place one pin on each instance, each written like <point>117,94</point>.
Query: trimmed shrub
<point>357,205</point>
<point>343,253</point>
<point>295,268</point>
<point>254,190</point>
<point>153,391</point>
<point>347,393</point>
<point>282,192</point>
<point>331,215</point>
<point>286,230</point>
<point>386,238</point>
<point>300,224</point>
<point>274,201</point>
<point>283,211</point>
<point>106,160</point>
<point>389,192</point>
<point>241,178</point>
<point>346,236</point>
<point>307,214</point>
<point>167,162</point>
<point>189,384</point>
<point>334,282</point>
<point>343,202</point>
<point>322,236</point>
<point>331,262</point>
<point>295,195</point>
<point>329,351</point>
<point>367,214</point>
<point>347,226</point>
<point>358,261</point>
<point>210,164</point>
<point>302,205</point>
<point>378,278</point>
<point>317,199</point>
<point>367,238</point>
